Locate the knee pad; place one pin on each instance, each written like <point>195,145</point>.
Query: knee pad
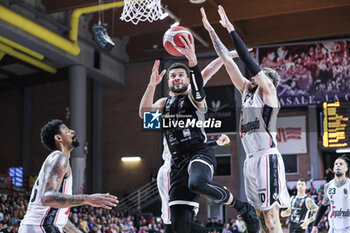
<point>196,185</point>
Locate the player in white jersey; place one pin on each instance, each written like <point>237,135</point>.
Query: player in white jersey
<point>51,196</point>
<point>265,184</point>
<point>336,196</point>
<point>163,181</point>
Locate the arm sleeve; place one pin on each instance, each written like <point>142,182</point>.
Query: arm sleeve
<point>320,214</point>
<point>196,80</point>
<point>244,55</point>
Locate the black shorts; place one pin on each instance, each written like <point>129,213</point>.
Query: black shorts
<point>295,228</point>
<point>179,192</point>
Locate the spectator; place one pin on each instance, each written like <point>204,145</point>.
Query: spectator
<point>6,220</point>
<point>9,228</point>
<point>241,224</point>
<point>227,228</point>
<point>328,175</point>
<point>234,227</point>
<point>94,229</point>
<point>91,223</point>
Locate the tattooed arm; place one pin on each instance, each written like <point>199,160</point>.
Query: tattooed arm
<point>215,66</point>
<point>312,207</point>
<point>322,210</point>
<point>232,69</point>
<point>56,168</point>
<point>70,228</point>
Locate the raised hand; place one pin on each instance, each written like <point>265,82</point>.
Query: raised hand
<point>205,21</point>
<point>223,140</point>
<point>188,50</point>
<point>106,201</point>
<point>156,78</point>
<point>224,21</point>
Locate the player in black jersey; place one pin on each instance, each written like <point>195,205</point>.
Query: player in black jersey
<point>302,210</point>
<point>193,161</point>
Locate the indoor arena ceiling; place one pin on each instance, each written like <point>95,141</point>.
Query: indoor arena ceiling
<point>259,22</point>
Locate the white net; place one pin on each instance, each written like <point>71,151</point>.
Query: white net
<point>141,10</point>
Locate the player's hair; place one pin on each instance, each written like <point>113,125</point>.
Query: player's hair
<point>178,65</point>
<point>48,131</point>
<point>303,180</point>
<point>272,74</point>
<point>347,160</point>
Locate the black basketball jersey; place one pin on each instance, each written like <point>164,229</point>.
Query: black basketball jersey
<point>179,126</point>
<point>299,209</point>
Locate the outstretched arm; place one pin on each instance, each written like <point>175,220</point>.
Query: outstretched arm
<point>70,228</point>
<point>197,92</point>
<point>55,170</point>
<point>254,69</point>
<point>215,66</point>
<point>148,96</point>
<point>242,50</point>
<point>232,69</point>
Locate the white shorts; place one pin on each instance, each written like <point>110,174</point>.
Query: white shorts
<point>163,183</point>
<point>38,229</point>
<point>265,180</point>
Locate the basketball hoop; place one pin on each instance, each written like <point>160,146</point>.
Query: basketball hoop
<point>141,10</point>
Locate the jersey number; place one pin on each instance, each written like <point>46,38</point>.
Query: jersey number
<point>34,195</point>
<point>35,191</point>
<point>262,197</point>
<point>331,191</point>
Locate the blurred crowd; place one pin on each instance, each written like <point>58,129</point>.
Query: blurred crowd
<point>309,69</point>
<point>98,220</point>
<point>85,218</point>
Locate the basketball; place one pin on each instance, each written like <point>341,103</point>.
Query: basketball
<point>171,39</point>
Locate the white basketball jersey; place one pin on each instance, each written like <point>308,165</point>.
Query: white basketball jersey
<point>40,215</point>
<point>339,215</point>
<point>257,124</point>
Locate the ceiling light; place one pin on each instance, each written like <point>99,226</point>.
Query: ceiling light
<point>131,159</point>
<point>343,150</point>
<point>197,1</point>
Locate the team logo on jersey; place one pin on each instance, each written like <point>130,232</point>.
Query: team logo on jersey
<point>151,120</point>
<point>250,126</point>
<point>345,193</point>
<point>275,196</point>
